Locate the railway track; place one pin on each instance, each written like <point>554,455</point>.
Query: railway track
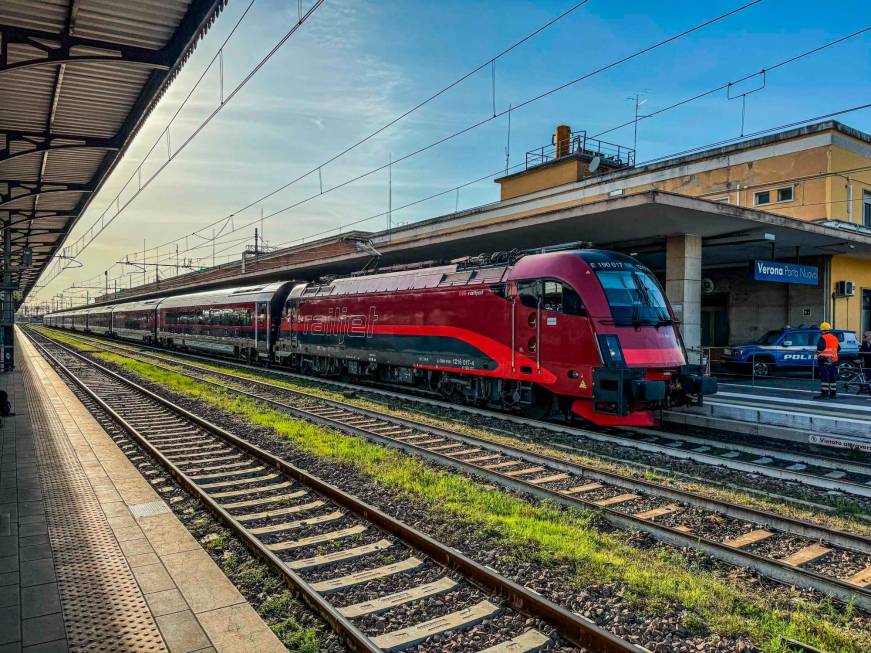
<point>791,551</point>
<point>366,573</point>
<point>827,473</point>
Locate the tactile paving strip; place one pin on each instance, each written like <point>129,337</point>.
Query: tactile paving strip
<point>103,607</point>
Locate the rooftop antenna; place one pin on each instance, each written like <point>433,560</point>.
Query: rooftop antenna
<point>638,103</point>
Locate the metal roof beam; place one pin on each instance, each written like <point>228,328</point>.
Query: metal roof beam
<point>37,188</point>
<point>51,143</point>
<point>28,219</point>
<point>60,48</point>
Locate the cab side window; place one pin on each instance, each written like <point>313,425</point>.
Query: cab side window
<point>553,296</point>
<point>561,298</point>
<point>528,292</point>
<point>556,297</point>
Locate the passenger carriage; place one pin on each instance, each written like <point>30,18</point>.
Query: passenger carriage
<point>235,322</point>
<point>135,320</point>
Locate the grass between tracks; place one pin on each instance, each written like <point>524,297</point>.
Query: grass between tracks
<point>846,516</point>
<point>654,580</point>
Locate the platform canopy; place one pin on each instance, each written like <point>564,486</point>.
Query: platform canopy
<point>77,80</point>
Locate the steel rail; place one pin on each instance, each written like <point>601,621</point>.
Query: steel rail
<point>574,628</point>
<point>793,525</point>
<point>175,356</point>
<point>812,480</point>
<point>770,567</point>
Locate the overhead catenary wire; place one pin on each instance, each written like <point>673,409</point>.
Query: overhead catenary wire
<point>520,165</point>
<point>670,107</point>
<point>479,123</point>
<point>781,127</point>
<point>761,132</point>
<point>734,82</point>
<point>779,64</point>
<point>440,92</point>
<point>675,105</point>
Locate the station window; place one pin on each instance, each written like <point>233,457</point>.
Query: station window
<point>784,194</point>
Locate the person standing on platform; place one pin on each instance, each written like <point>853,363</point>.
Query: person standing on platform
<point>827,362</point>
<point>865,360</point>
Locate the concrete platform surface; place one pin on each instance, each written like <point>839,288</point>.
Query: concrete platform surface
<point>784,412</point>
<point>91,559</point>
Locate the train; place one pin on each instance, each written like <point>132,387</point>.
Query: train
<point>580,332</point>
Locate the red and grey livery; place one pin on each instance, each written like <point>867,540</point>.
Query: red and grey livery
<point>585,331</point>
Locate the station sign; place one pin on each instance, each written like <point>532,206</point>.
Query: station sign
<point>807,275</point>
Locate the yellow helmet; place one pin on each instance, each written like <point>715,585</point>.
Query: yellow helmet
<point>825,326</point>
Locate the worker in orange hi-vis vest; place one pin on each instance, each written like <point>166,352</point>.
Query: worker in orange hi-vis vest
<point>827,361</point>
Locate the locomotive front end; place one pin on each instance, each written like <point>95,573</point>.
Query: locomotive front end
<point>643,361</point>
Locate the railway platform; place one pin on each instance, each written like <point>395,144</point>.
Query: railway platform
<point>784,410</point>
<point>90,557</point>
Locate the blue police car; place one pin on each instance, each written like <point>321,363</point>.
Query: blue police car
<point>791,348</point>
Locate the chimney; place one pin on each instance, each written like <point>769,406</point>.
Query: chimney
<point>563,141</point>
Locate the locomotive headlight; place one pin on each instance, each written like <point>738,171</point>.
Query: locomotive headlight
<point>612,352</point>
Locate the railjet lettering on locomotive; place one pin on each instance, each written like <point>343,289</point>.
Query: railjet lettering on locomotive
<point>337,322</point>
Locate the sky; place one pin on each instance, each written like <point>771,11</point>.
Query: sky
<point>354,67</point>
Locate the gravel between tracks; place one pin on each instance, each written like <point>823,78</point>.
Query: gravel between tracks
<point>607,604</point>
<point>711,473</point>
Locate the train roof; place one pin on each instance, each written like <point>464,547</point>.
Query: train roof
<point>96,310</point>
<point>245,294</point>
<point>414,279</point>
<point>148,304</point>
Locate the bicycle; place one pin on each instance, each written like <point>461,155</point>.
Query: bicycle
<point>854,377</point>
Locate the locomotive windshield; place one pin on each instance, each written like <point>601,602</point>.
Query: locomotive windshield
<point>633,294</point>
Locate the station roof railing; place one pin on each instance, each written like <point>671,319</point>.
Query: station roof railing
<point>77,80</point>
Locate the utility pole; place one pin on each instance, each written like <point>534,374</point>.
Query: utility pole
<point>107,283</point>
<point>144,278</point>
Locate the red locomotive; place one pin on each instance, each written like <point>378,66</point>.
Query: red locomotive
<point>584,332</point>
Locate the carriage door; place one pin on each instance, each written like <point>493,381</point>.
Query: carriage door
<point>292,312</point>
<point>526,320</point>
<point>261,326</point>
